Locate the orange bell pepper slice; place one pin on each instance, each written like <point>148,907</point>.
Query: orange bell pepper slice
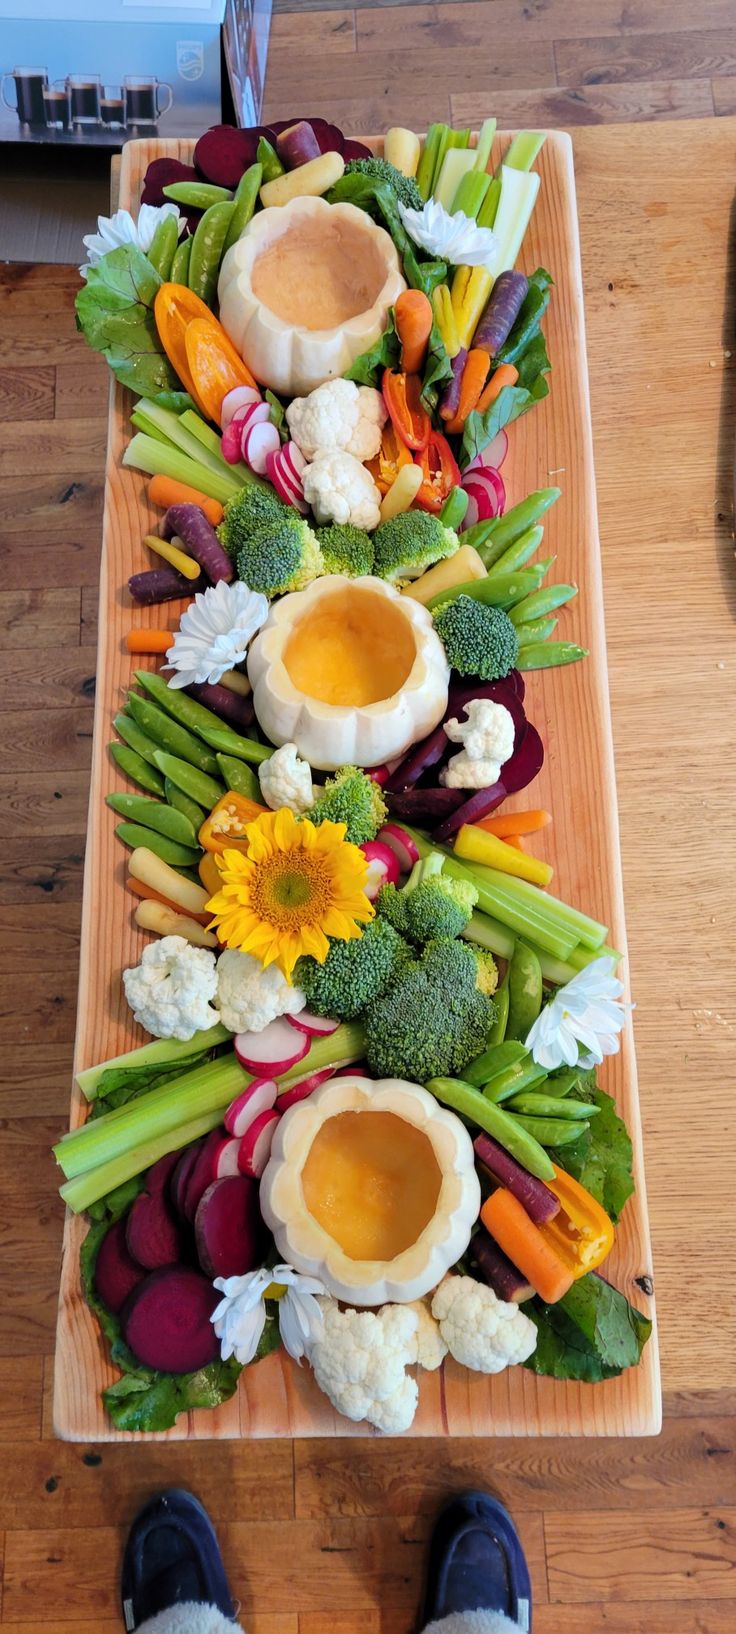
<point>391,456</point>
<point>225,827</point>
<point>174,307</point>
<point>581,1233</point>
<point>214,365</point>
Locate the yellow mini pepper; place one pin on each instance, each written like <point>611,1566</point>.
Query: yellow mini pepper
<point>228,821</point>
<point>581,1233</point>
<point>471,288</point>
<point>444,313</point>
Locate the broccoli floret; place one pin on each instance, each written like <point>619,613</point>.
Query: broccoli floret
<point>433,1018</point>
<point>352,798</point>
<point>430,904</point>
<point>410,543</point>
<point>280,555</point>
<point>346,549</point>
<point>354,973</point>
<point>251,508</point>
<point>404,187</point>
<point>477,639</point>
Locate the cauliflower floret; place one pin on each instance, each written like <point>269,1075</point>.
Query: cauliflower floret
<point>487,737</point>
<point>360,1363</point>
<point>481,1332</point>
<point>249,996</point>
<point>338,414</point>
<point>431,1347</point>
<point>340,489</point>
<point>286,780</point>
<point>169,992</point>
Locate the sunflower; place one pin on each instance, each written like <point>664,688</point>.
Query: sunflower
<point>294,886</point>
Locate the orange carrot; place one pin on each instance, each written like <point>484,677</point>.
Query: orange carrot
<point>149,640</point>
<point>413,315</point>
<point>164,491</point>
<point>471,387</point>
<point>150,895</point>
<point>515,822</point>
<point>516,841</point>
<point>522,1242</point>
<point>505,375</point>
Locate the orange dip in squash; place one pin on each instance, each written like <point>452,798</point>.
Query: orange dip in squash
<point>319,276</point>
<point>356,648</point>
<point>372,1181</point>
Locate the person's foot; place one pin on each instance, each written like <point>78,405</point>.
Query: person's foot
<point>476,1562</point>
<point>172,1555</point>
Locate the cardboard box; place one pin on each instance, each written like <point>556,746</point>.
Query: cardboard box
<point>111,69</point>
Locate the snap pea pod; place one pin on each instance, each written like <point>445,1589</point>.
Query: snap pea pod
<point>497,1033</point>
<point>547,654</point>
<point>492,538</point>
<point>136,768</point>
<point>190,780</point>
<point>508,1131</point>
<point>518,553</point>
<point>169,734</point>
<point>542,601</point>
<point>179,856</point>
<point>132,734</point>
<point>207,247</point>
<point>179,273</point>
<point>269,160</point>
<point>197,195</point>
<point>493,1060</point>
<point>454,508</point>
<point>561,1083</point>
<point>504,591</point>
<point>540,629</point>
<point>244,203</point>
<point>536,1105</point>
<point>154,814</point>
<point>525,991</point>
<point>524,1075</point>
<point>163,248</point>
<point>548,1131</point>
<point>238,777</point>
<point>181,802</point>
<point>195,718</point>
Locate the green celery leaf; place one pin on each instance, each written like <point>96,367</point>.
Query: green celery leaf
<point>601,1158</point>
<point>379,200</point>
<point>593,1333</point>
<point>115,311</point>
<point>384,354</point>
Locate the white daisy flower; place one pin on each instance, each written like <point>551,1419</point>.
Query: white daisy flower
<point>112,231</point>
<point>581,1024</point>
<point>456,238</point>
<point>240,1317</point>
<point>214,633</point>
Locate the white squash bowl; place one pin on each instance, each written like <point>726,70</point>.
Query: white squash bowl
<point>330,734</point>
<point>288,356</point>
<point>304,1243</point>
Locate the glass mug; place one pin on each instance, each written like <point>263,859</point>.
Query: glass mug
<point>84,96</point>
<point>112,106</point>
<point>57,104</point>
<point>29,89</point>
<point>142,97</point>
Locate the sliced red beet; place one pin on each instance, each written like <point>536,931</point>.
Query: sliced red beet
<point>166,1320</point>
<point>355,150</point>
<point>116,1273</point>
<point>158,1178</point>
<point>526,761</point>
<point>500,692</point>
<point>424,755</point>
<point>182,1175</point>
<point>152,1234</point>
<point>163,173</point>
<point>203,1173</point>
<point>425,805</point>
<point>479,804</point>
<point>228,1227</point>
<point>224,152</point>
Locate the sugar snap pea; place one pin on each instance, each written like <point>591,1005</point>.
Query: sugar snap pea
<point>190,779</point>
<point>546,654</point>
<point>536,1105</point>
<point>170,734</point>
<point>561,1083</point>
<point>548,1131</point>
<point>497,1033</point>
<point>239,778</point>
<point>154,814</point>
<point>133,734</point>
<point>197,195</point>
<point>496,1058</point>
<point>454,508</point>
<point>518,553</point>
<point>179,856</point>
<point>196,718</point>
<point>163,248</point>
<point>181,802</point>
<point>207,247</point>
<point>179,273</point>
<point>501,532</point>
<point>523,1075</point>
<point>503,592</point>
<point>244,203</point>
<point>540,629</point>
<point>136,768</point>
<point>525,990</point>
<point>508,1131</point>
<point>269,160</point>
<point>542,601</point>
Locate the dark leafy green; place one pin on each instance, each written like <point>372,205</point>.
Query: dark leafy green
<point>176,401</point>
<point>601,1158</point>
<point>118,1085</point>
<point>115,312</point>
<point>278,415</point>
<point>526,349</point>
<point>379,200</point>
<point>526,326</point>
<point>384,354</point>
<point>593,1333</point>
<point>437,369</point>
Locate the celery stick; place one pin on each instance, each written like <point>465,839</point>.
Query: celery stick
<point>160,1052</point>
<point>204,434</point>
<point>159,459</point>
<point>519,190</point>
<point>586,930</point>
<point>485,143</point>
<point>489,208</point>
<point>558,927</point>
<point>525,147</point>
<point>489,933</point>
<point>583,956</point>
<point>172,426</point>
<point>456,164</point>
<point>433,153</point>
<point>86,1189</point>
<point>202,1090</point>
<point>459,138</point>
<point>141,421</point>
<point>471,192</point>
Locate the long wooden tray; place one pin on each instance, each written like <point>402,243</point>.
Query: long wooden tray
<point>571,708</point>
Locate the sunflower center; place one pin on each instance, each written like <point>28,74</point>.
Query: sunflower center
<point>291,889</point>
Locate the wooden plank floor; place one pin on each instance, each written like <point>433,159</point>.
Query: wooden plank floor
<point>623,1537</point>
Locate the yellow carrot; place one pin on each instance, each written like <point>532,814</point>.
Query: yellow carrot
<point>471,288</point>
<point>522,1242</point>
<point>413,317</point>
<point>515,822</point>
<point>471,386</point>
<point>149,641</point>
<point>145,866</point>
<point>139,889</point>
<point>465,564</point>
<point>403,491</point>
<point>505,375</point>
<point>444,313</point>
<point>475,844</point>
<point>237,682</point>
<point>163,921</point>
<point>173,553</point>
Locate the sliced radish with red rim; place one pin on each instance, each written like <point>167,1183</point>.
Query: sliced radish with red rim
<point>304,1088</point>
<point>239,398</point>
<point>383,867</point>
<point>226,1160</point>
<point>493,454</point>
<point>274,1050</point>
<point>260,1096</point>
<point>259,441</point>
<point>255,1147</point>
<point>316,1026</point>
<point>402,845</point>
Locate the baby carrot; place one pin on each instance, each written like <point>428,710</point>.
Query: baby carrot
<point>413,315</point>
<point>505,375</point>
<point>154,641</point>
<point>164,491</point>
<point>522,1242</point>
<point>471,387</point>
<point>516,841</point>
<point>146,891</point>
<point>171,551</point>
<point>504,824</point>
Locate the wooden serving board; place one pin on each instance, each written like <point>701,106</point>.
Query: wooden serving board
<point>551,444</point>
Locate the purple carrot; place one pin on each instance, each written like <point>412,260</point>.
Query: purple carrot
<point>540,1203</point>
<point>450,399</point>
<point>501,312</point>
<point>495,1269</point>
<point>189,523</point>
<point>230,706</point>
<point>161,584</point>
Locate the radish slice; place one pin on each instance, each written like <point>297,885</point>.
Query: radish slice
<point>402,845</point>
<point>293,459</point>
<point>471,515</point>
<point>258,442</point>
<point>231,446</point>
<point>272,1051</point>
<point>238,398</point>
<point>288,487</point>
<point>485,486</point>
<point>257,1097</point>
<point>255,1147</point>
<point>305,1087</point>
<point>379,775</point>
<point>493,454</point>
<point>226,1161</point>
<point>383,867</point>
<point>316,1026</point>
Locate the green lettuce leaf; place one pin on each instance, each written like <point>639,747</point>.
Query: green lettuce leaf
<point>118,1085</point>
<point>601,1158</point>
<point>384,354</point>
<point>529,317</point>
<point>437,369</point>
<point>593,1333</point>
<point>376,197</point>
<point>527,350</point>
<point>115,312</point>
